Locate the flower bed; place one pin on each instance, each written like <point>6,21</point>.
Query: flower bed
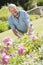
<point>24,51</point>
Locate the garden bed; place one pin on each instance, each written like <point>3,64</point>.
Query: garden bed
<point>23,51</point>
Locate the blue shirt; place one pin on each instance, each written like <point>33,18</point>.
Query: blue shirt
<point>21,22</point>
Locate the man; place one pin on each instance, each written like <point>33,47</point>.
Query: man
<point>19,21</point>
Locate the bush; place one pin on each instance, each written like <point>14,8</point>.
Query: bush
<point>4,26</point>
<point>40,2</point>
<point>4,13</point>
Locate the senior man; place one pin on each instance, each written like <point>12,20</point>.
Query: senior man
<point>19,21</point>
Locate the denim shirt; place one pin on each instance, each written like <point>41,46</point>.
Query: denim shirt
<point>21,22</point>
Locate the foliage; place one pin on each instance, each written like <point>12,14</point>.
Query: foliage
<point>4,13</point>
<point>40,2</point>
<point>26,4</point>
<point>4,26</point>
<point>31,51</point>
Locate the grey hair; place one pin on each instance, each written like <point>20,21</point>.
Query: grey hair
<point>11,5</point>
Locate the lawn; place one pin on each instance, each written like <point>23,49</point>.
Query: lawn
<point>37,24</point>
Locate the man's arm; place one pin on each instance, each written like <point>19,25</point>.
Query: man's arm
<point>28,29</point>
<point>16,33</point>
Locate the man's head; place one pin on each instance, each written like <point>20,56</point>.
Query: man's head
<point>13,9</point>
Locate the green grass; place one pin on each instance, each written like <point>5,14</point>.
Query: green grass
<point>37,24</point>
<point>34,17</point>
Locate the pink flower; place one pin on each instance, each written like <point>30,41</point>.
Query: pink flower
<point>3,54</point>
<point>8,40</point>
<point>5,60</point>
<point>33,37</point>
<point>21,49</point>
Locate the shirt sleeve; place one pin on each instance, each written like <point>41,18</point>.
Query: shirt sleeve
<point>10,21</point>
<point>26,18</point>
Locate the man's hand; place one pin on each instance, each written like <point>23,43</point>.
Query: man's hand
<point>28,30</point>
<point>16,33</point>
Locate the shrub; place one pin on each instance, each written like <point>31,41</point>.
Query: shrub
<point>4,26</point>
<point>4,13</point>
<point>40,2</point>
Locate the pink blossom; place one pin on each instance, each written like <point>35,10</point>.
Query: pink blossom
<point>3,54</point>
<point>5,59</point>
<point>21,49</point>
<point>7,40</point>
<point>33,37</point>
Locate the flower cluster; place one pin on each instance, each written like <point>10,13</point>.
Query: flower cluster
<point>21,49</point>
<point>33,37</point>
<point>6,55</point>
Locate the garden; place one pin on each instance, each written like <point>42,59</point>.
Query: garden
<point>27,50</point>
